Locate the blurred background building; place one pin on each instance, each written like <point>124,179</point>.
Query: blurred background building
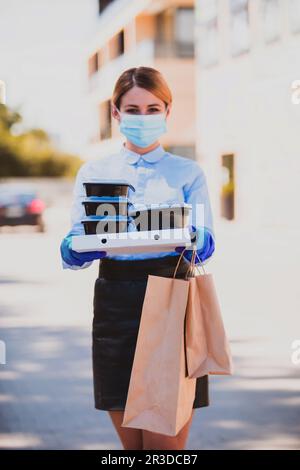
<point>154,33</point>
<point>248,111</point>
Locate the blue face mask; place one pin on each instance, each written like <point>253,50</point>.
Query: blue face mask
<point>143,129</point>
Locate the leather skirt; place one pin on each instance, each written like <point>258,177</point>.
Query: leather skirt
<point>118,299</point>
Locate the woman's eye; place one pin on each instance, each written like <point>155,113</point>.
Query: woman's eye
<point>134,111</point>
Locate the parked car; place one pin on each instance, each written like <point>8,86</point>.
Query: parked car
<point>21,207</point>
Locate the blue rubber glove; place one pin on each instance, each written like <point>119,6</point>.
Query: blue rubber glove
<point>206,249</point>
<point>73,257</point>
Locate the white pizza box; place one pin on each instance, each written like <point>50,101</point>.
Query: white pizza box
<point>133,241</point>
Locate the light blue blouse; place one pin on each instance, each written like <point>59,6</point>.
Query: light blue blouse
<point>158,177</point>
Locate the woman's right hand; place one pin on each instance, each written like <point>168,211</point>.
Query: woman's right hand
<point>73,257</point>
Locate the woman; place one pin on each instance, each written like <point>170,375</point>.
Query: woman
<point>141,104</point>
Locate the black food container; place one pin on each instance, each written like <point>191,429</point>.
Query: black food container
<point>103,206</point>
<point>102,187</point>
<point>96,225</point>
<point>161,216</point>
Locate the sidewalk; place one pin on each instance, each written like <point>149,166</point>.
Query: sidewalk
<point>257,282</point>
<point>46,399</point>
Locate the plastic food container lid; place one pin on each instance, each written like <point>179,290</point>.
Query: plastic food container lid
<point>120,182</point>
<point>117,218</point>
<point>106,199</point>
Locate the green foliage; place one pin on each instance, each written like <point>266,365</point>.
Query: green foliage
<point>30,153</point>
<point>8,117</point>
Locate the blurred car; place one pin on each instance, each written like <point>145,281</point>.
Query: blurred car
<point>21,207</point>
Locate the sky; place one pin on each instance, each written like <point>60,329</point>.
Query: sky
<point>44,66</point>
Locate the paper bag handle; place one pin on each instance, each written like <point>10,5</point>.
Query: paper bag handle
<point>192,264</point>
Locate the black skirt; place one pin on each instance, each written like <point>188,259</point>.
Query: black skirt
<point>118,299</point>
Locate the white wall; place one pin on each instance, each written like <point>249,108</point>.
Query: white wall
<point>244,107</point>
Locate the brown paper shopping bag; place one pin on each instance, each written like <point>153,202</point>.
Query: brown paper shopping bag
<point>207,345</point>
<point>161,395</point>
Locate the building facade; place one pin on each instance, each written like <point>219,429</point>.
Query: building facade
<point>248,109</point>
<point>154,33</point>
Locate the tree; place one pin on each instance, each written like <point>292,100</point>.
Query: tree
<point>30,153</point>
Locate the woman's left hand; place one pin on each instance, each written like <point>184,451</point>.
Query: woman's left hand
<point>207,245</point>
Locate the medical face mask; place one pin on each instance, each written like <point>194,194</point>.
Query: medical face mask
<point>143,129</point>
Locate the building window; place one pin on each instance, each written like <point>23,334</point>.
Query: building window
<point>184,30</point>
<point>294,14</point>
<point>102,4</point>
<point>228,187</point>
<point>240,27</point>
<point>105,120</point>
<point>164,43</point>
<point>120,40</point>
<point>271,20</point>
<point>93,64</point>
<point>207,32</point>
<point>116,45</point>
<point>175,33</point>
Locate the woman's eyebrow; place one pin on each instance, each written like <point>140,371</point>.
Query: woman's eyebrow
<point>135,106</point>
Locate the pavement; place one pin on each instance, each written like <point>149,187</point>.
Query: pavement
<point>46,396</point>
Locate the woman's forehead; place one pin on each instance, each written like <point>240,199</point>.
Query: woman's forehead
<point>137,96</point>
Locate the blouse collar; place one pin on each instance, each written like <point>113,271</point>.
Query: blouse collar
<point>152,157</point>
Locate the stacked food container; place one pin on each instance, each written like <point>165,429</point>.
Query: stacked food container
<point>107,204</point>
<point>160,216</point>
<point>110,212</point>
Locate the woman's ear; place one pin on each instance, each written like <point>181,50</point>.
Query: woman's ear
<point>115,113</point>
<point>168,109</point>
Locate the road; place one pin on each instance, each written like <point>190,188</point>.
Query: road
<point>46,399</point>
